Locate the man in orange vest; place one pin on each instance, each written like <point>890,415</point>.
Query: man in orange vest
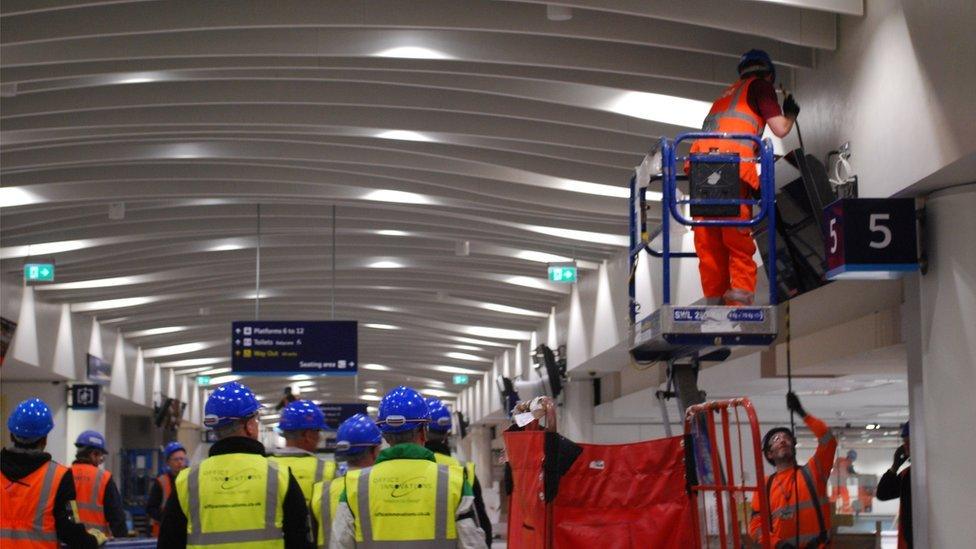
<point>37,503</point>
<point>174,455</point>
<point>99,501</point>
<point>798,504</point>
<point>728,272</point>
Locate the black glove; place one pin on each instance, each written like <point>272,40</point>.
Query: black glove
<point>793,403</point>
<point>790,108</point>
<point>899,458</point>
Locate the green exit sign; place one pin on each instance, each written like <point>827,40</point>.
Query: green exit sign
<point>562,273</point>
<point>461,379</point>
<point>203,381</point>
<point>39,272</point>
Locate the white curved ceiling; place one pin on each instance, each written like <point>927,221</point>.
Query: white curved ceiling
<point>425,124</point>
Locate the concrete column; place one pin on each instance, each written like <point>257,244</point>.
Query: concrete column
<point>942,374</point>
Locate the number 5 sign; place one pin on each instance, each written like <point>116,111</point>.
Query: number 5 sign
<point>870,238</point>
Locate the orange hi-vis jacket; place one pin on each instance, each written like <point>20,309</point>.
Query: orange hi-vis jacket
<point>790,495</point>
<point>90,484</point>
<point>731,113</point>
<point>27,517</point>
<point>166,485</point>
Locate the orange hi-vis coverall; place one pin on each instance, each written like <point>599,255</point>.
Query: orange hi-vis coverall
<point>725,253</point>
<point>789,495</point>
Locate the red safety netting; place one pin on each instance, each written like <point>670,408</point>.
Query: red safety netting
<point>612,496</point>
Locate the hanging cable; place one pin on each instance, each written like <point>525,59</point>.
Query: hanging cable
<point>257,269</point>
<point>789,390</point>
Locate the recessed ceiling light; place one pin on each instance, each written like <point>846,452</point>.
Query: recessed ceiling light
<point>192,362</point>
<point>668,109</point>
<point>389,195</point>
<point>371,398</point>
<point>96,283</point>
<point>404,135</point>
<point>614,191</point>
<point>412,52</point>
<point>528,282</point>
<point>381,326</point>
<point>17,196</point>
<point>111,304</point>
<point>584,236</point>
<point>480,341</point>
<point>457,370</point>
<point>376,367</point>
<point>220,380</point>
<point>180,349</point>
<point>468,348</point>
<point>156,331</point>
<point>371,390</point>
<point>541,257</point>
<point>438,393</point>
<point>44,248</point>
<point>500,333</point>
<point>385,265</point>
<point>392,232</point>
<point>512,310</point>
<point>466,356</point>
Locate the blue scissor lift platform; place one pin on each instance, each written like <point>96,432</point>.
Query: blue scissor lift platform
<point>699,330</point>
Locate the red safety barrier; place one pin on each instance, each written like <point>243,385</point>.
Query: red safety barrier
<point>713,470</point>
<point>608,496</point>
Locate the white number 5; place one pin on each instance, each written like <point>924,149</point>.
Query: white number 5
<point>876,227</point>
<point>833,235</point>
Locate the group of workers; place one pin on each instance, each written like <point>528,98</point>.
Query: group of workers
<point>413,493</point>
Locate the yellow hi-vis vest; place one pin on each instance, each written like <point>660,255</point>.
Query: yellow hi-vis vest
<point>307,470</point>
<point>445,459</point>
<point>325,501</point>
<point>233,500</point>
<point>409,503</point>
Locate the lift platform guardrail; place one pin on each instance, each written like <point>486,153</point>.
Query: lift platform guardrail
<point>675,330</point>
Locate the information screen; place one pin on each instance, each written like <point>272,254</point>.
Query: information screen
<point>269,347</point>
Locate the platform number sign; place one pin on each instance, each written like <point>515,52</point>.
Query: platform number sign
<point>871,238</point>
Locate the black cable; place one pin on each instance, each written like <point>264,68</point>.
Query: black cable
<point>789,389</point>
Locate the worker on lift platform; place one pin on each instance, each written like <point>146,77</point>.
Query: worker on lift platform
<point>798,504</point>
<point>726,265</point>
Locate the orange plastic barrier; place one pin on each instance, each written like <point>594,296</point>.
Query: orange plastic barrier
<point>600,496</point>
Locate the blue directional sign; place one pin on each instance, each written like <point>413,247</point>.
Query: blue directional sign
<point>335,414</point>
<point>269,347</point>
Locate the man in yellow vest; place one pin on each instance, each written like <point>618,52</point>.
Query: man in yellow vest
<point>358,441</point>
<point>236,498</point>
<point>302,423</point>
<point>406,497</point>
<point>438,436</point>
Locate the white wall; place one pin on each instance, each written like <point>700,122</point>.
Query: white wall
<point>899,87</point>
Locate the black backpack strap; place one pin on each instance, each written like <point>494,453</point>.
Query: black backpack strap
<point>824,537</point>
<point>769,503</point>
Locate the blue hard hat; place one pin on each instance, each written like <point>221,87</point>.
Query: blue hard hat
<point>402,409</point>
<point>31,420</point>
<point>357,434</point>
<point>91,439</point>
<point>440,416</point>
<point>172,448</point>
<point>230,402</point>
<point>756,57</point>
<point>904,430</point>
<point>301,415</point>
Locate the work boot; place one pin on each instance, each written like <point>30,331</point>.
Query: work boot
<point>738,298</point>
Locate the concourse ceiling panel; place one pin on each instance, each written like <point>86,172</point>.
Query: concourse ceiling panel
<point>461,144</point>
